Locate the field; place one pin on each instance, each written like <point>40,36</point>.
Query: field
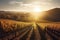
<point>29,19</point>
<point>15,30</point>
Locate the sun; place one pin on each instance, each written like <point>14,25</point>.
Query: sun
<point>36,12</point>
<point>36,9</point>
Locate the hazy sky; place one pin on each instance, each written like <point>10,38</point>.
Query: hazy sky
<point>28,4</point>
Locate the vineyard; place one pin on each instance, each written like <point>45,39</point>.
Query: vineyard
<point>14,30</point>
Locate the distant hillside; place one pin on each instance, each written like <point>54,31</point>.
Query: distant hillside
<point>52,15</point>
<point>18,16</point>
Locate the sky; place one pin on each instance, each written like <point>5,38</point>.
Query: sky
<point>28,5</point>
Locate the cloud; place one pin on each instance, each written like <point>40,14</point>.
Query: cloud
<point>29,4</point>
<point>42,3</point>
<point>15,2</point>
<point>21,4</point>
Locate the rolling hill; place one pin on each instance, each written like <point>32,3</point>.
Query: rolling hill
<point>52,15</point>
